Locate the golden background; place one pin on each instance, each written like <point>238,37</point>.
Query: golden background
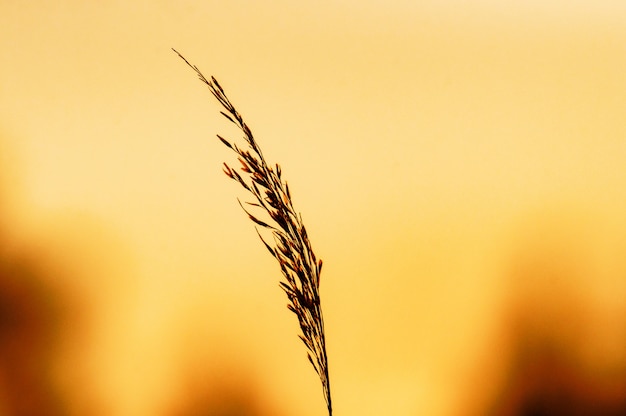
<point>460,167</point>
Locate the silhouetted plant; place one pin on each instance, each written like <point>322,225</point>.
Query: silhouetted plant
<point>291,245</point>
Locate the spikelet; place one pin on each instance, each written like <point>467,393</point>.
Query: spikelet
<point>291,246</point>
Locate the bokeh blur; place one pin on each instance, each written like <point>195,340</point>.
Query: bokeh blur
<point>460,167</point>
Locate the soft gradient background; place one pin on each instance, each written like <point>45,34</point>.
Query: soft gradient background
<point>460,167</point>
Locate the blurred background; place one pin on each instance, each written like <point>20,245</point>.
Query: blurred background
<point>459,166</point>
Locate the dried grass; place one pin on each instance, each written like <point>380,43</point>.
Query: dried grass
<point>291,246</point>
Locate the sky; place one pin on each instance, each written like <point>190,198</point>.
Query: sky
<point>459,166</point>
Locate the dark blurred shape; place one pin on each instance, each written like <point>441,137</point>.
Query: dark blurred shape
<point>29,323</point>
<point>225,392</point>
<point>549,330</point>
<point>544,381</point>
<point>30,317</point>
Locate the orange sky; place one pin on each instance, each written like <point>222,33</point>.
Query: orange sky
<point>437,153</point>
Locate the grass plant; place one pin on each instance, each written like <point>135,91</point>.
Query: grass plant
<point>290,244</point>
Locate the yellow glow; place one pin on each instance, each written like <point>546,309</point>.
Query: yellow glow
<point>459,167</point>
